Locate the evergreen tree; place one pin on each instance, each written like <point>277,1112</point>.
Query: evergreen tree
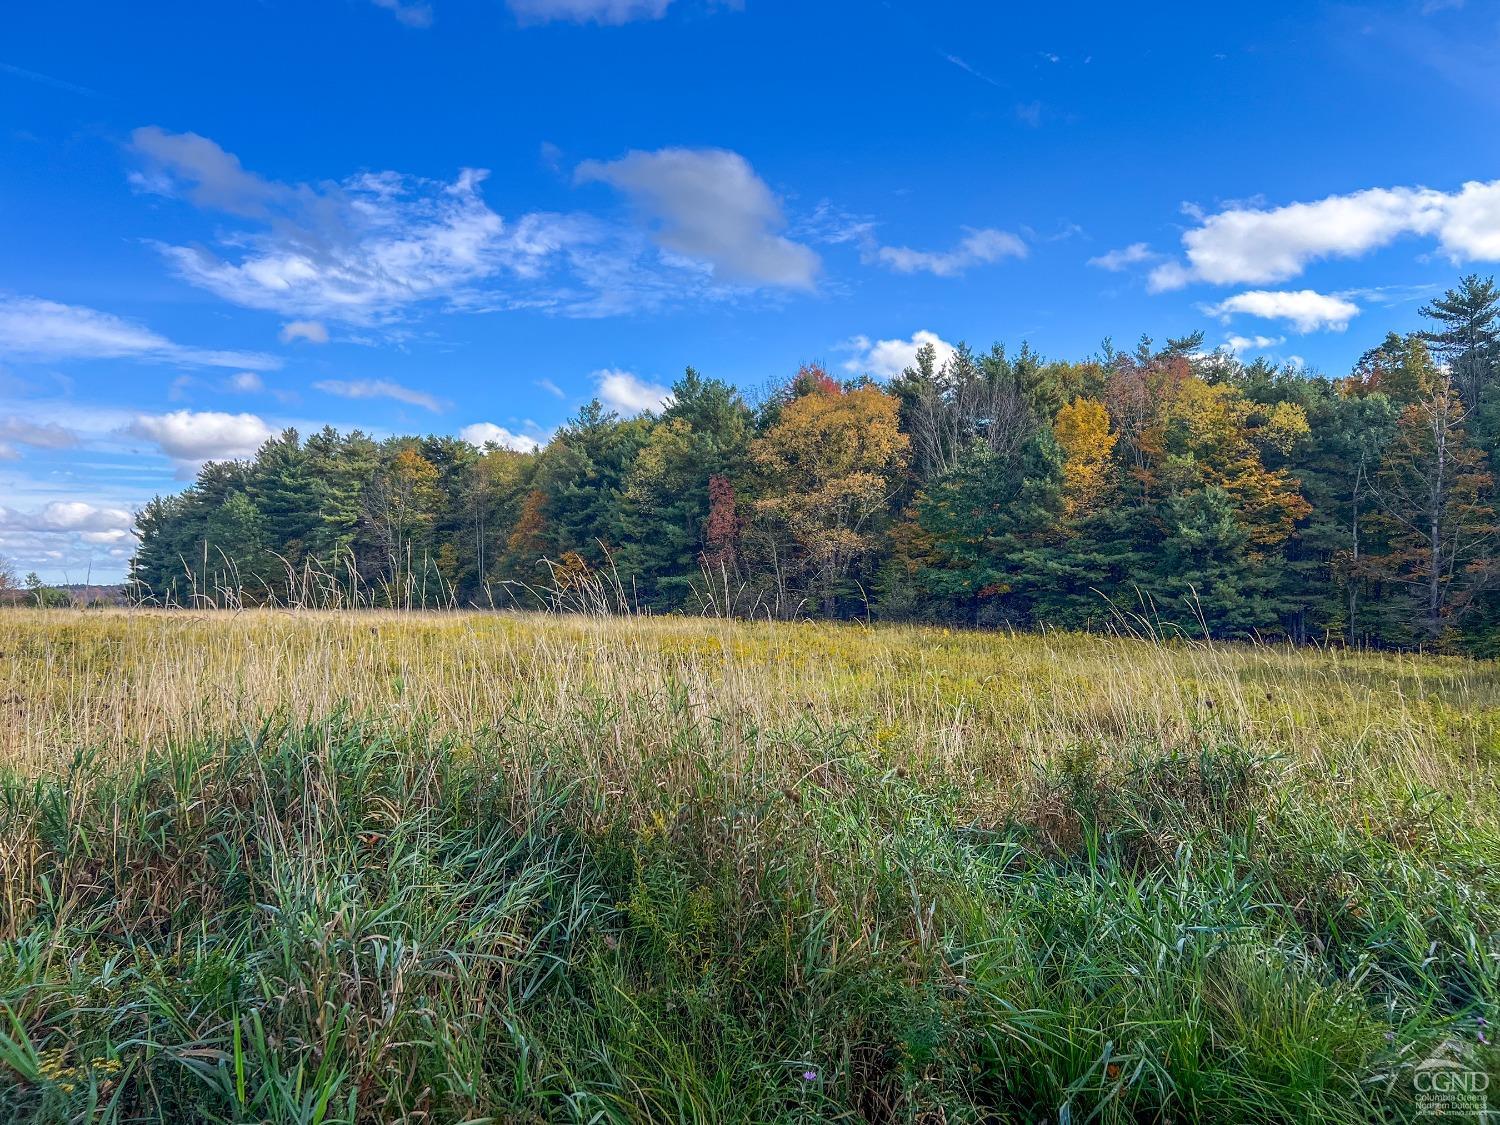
<point>989,523</point>
<point>1468,341</point>
<point>665,505</point>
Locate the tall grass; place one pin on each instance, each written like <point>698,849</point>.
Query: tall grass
<point>276,866</point>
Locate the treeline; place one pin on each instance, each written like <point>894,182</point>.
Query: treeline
<point>1186,490</point>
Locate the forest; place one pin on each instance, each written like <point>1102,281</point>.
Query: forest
<point>1167,487</point>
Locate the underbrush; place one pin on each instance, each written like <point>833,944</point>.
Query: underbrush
<point>338,921</point>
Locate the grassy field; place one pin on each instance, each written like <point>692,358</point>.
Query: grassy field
<point>316,867</point>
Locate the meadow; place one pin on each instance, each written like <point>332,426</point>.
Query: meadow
<point>362,867</point>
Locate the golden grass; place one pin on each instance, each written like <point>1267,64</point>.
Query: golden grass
<point>982,709</point>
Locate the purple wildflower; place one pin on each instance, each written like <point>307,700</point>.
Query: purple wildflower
<point>809,1076</point>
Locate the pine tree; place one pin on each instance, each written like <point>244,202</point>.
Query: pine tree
<point>1469,340</point>
<point>665,505</point>
<point>990,523</point>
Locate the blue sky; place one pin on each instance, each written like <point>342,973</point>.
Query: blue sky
<point>471,216</point>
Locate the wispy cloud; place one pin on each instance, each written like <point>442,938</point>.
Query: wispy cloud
<point>46,80</point>
<point>371,249</point>
<point>410,14</point>
<point>42,435</point>
<point>1116,261</point>
<point>313,331</point>
<point>587,11</point>
<point>978,247</point>
<point>35,329</point>
<point>380,388</point>
<point>970,69</point>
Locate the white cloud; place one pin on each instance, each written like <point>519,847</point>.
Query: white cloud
<point>67,538</point>
<point>412,15</point>
<point>1239,345</point>
<point>208,435</point>
<point>42,435</point>
<point>629,394</point>
<point>247,382</point>
<point>551,388</point>
<point>708,205</point>
<point>1117,261</point>
<point>76,515</point>
<point>379,388</point>
<point>978,247</point>
<point>313,331</point>
<point>36,329</point>
<point>1244,244</point>
<point>357,251</point>
<point>487,433</point>
<point>588,11</point>
<point>371,247</point>
<point>1304,309</point>
<point>886,359</point>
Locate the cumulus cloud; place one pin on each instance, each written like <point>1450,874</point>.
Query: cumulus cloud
<point>1116,261</point>
<point>487,433</point>
<point>628,393</point>
<point>247,382</point>
<point>76,515</point>
<point>1244,244</point>
<point>208,435</point>
<point>66,534</point>
<point>313,331</point>
<point>36,329</point>
<point>709,205</point>
<point>379,388</point>
<point>978,247</point>
<point>886,359</point>
<point>588,11</point>
<point>1304,309</point>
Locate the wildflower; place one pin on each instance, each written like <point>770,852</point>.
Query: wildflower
<point>809,1076</point>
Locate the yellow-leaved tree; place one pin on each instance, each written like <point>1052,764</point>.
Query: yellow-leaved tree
<point>823,475</point>
<point>1088,442</point>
